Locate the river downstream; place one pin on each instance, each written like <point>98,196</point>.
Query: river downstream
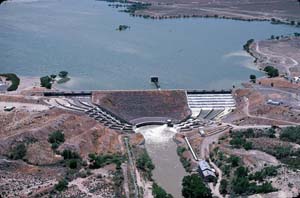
<point>168,171</point>
<point>41,37</point>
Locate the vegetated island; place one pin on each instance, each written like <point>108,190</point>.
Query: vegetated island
<point>47,81</point>
<point>122,27</point>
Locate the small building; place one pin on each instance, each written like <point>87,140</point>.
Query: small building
<point>169,123</point>
<point>154,79</point>
<point>206,171</point>
<point>296,79</point>
<point>201,132</point>
<point>272,102</point>
<point>9,108</point>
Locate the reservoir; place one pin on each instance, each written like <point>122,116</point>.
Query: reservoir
<point>42,37</point>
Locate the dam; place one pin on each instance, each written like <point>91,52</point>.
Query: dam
<point>123,110</point>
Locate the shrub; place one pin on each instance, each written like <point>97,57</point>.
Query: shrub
<point>248,145</point>
<point>118,180</point>
<point>241,184</point>
<point>237,142</point>
<point>61,185</point>
<point>234,160</point>
<point>291,134</point>
<point>18,152</point>
<point>293,162</point>
<point>265,172</point>
<point>159,192</point>
<point>68,154</point>
<point>247,45</point>
<point>102,160</point>
<point>145,164</point>
<point>56,138</point>
<point>185,163</point>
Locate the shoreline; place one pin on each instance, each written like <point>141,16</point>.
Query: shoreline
<point>159,11</point>
<point>284,63</point>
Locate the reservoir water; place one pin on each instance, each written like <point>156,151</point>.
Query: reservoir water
<point>41,37</point>
<point>168,171</point>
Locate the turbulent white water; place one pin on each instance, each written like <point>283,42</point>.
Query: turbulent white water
<point>157,134</point>
<point>168,171</point>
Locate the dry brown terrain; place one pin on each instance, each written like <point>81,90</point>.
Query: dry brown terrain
<point>19,179</point>
<point>236,9</point>
<point>82,134</point>
<point>283,54</point>
<point>30,123</point>
<point>253,109</point>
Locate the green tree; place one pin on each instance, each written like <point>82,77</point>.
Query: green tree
<point>223,186</point>
<point>253,78</point>
<point>271,71</point>
<point>234,160</point>
<point>46,82</point>
<point>73,163</point>
<point>194,187</point>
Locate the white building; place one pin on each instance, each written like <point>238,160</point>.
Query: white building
<point>206,171</point>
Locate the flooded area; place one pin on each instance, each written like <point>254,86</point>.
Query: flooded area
<point>168,171</point>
